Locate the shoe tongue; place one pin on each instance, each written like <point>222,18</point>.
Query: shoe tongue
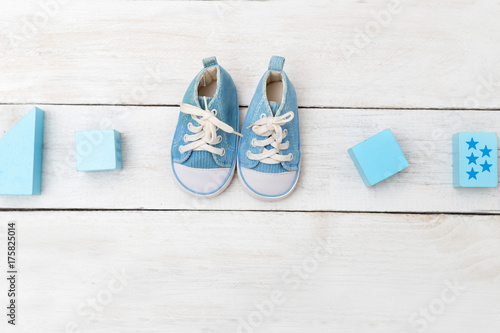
<point>274,107</point>
<point>202,101</point>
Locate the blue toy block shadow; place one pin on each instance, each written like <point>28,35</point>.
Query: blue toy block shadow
<point>21,156</point>
<point>475,159</point>
<point>378,158</point>
<point>98,150</point>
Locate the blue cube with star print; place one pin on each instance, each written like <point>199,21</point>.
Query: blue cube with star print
<point>378,158</point>
<point>475,159</point>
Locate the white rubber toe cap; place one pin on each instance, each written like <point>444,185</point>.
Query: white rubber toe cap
<point>202,181</point>
<point>269,185</point>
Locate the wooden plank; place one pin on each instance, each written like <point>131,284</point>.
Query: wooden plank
<point>329,180</point>
<point>206,271</point>
<point>393,54</point>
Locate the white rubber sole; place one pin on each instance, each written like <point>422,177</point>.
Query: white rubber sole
<point>211,195</point>
<point>266,198</point>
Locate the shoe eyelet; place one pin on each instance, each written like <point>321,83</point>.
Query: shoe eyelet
<point>185,138</point>
<point>248,153</point>
<point>214,111</point>
<point>190,126</point>
<point>254,142</point>
<point>180,150</point>
<point>219,139</point>
<point>290,157</point>
<point>285,132</point>
<point>262,116</point>
<point>223,152</point>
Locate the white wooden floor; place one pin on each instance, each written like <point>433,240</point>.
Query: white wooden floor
<point>129,252</point>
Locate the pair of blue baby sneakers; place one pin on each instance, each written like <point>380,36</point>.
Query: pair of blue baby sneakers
<point>206,150</point>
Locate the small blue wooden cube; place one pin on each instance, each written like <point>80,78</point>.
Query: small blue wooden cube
<point>21,156</point>
<point>98,150</point>
<point>378,158</point>
<point>475,159</point>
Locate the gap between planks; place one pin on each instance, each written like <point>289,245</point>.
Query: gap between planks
<point>246,106</point>
<point>5,210</point>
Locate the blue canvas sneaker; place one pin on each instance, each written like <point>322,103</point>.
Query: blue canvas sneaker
<point>204,148</point>
<point>269,152</point>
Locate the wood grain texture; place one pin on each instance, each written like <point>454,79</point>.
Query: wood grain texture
<point>329,181</point>
<point>344,258</point>
<point>392,54</point>
<point>205,271</point>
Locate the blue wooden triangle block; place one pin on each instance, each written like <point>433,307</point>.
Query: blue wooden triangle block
<point>21,156</point>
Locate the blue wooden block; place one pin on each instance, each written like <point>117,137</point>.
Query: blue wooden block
<point>98,150</point>
<point>378,158</point>
<point>475,159</point>
<point>21,156</point>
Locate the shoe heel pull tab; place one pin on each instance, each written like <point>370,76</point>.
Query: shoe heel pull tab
<point>210,61</point>
<point>276,63</point>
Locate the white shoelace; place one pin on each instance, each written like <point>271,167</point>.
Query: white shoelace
<point>271,127</point>
<point>205,135</point>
